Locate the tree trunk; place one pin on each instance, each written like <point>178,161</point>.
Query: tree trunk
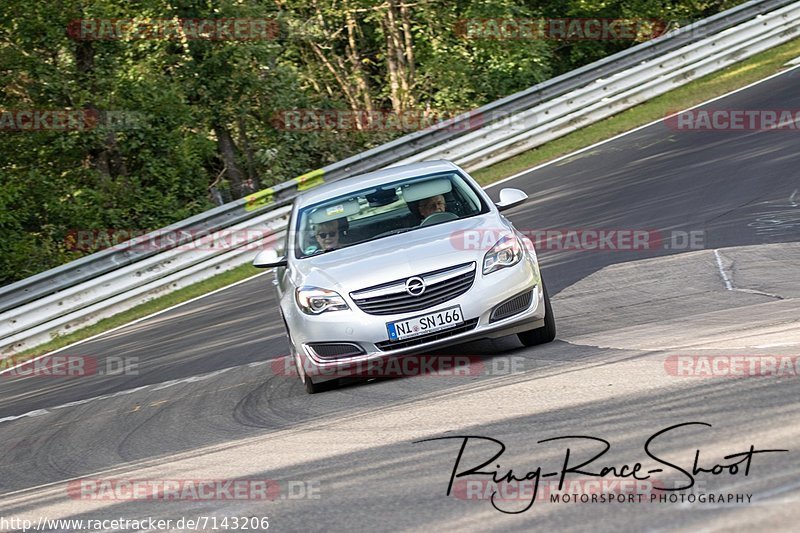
<point>355,59</point>
<point>391,63</point>
<point>105,158</point>
<point>400,54</point>
<point>252,174</point>
<point>227,150</point>
<point>409,51</point>
<point>343,85</point>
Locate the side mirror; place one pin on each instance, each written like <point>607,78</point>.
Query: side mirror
<point>269,259</point>
<point>510,198</point>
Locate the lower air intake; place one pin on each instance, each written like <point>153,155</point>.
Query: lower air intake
<point>512,307</point>
<point>335,350</point>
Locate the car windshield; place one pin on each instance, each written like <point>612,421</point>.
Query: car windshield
<point>385,210</point>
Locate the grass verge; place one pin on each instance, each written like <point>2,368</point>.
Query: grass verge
<point>731,78</point>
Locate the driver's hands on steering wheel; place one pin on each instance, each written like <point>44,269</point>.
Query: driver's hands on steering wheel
<point>441,216</point>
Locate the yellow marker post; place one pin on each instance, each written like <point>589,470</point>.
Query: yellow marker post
<point>310,180</point>
<point>259,199</point>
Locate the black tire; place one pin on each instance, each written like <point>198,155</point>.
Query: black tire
<point>308,383</point>
<point>314,388</point>
<point>311,387</point>
<point>545,333</point>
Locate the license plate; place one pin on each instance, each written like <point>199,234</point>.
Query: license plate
<point>424,324</point>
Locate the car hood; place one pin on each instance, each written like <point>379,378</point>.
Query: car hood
<point>401,256</point>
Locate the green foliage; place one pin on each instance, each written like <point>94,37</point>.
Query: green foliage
<point>153,151</point>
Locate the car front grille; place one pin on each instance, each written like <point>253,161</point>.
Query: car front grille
<point>392,298</point>
<point>511,307</point>
<point>387,346</point>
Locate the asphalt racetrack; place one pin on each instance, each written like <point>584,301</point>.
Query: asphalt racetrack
<point>210,399</point>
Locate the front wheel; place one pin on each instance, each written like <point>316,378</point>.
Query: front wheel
<point>311,387</point>
<point>545,333</point>
<point>308,383</point>
<point>314,388</point>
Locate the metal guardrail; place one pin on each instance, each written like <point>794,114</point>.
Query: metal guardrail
<point>100,285</point>
<point>136,283</point>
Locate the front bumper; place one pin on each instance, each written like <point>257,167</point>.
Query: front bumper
<point>369,331</point>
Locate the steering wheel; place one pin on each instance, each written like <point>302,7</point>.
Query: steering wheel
<point>438,217</point>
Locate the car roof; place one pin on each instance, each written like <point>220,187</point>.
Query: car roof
<point>379,177</point>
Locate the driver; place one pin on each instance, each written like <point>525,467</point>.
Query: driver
<point>429,206</point>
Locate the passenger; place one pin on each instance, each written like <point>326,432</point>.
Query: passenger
<point>328,234</point>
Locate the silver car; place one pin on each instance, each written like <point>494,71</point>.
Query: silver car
<point>403,261</point>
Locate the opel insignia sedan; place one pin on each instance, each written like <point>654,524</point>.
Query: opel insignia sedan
<point>403,261</point>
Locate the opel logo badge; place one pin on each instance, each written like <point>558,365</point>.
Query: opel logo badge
<point>415,286</point>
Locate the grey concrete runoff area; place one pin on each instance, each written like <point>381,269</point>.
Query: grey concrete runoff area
<point>682,356</point>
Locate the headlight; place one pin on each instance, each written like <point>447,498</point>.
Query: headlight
<point>314,300</point>
<point>505,253</point>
